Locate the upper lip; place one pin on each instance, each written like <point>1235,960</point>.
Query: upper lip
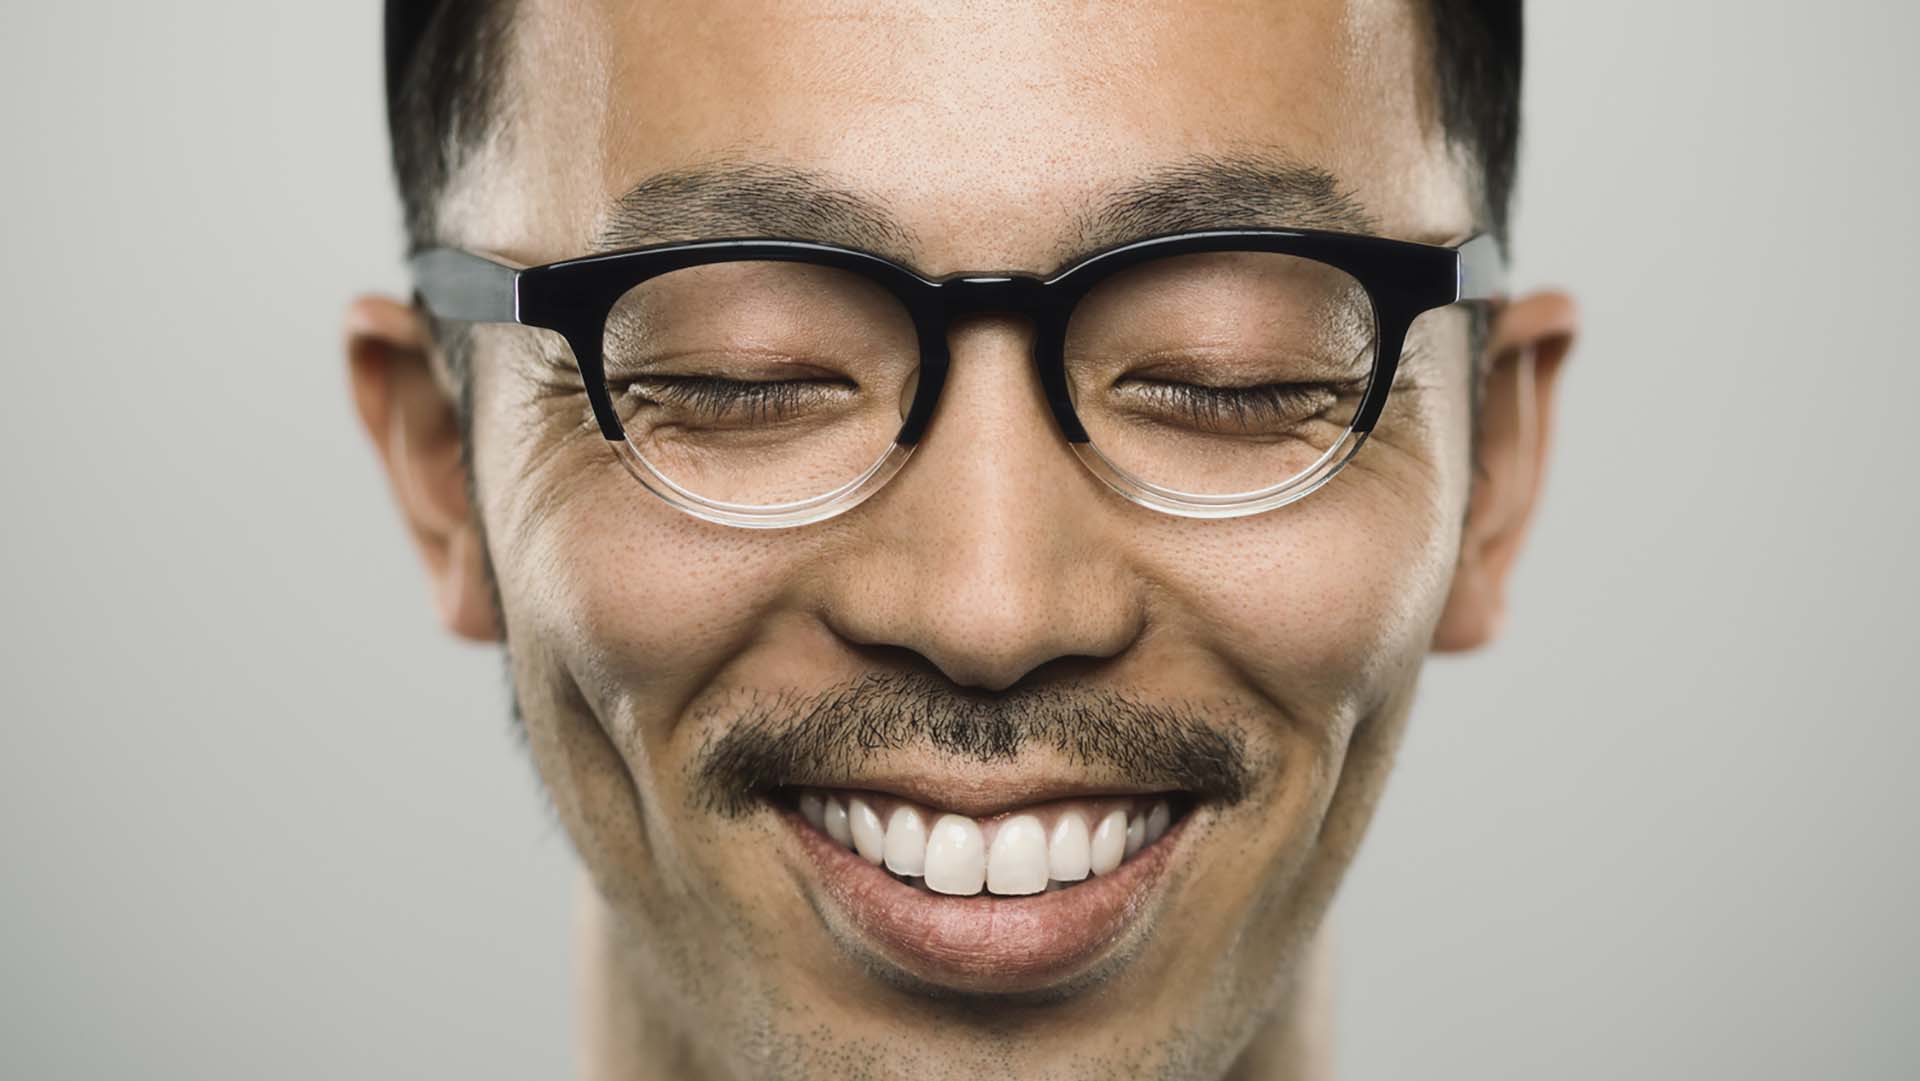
<point>985,794</point>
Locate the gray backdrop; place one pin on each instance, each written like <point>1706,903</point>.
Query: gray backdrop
<point>259,817</point>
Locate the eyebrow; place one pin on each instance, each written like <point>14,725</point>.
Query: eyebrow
<point>1222,193</point>
<point>738,199</point>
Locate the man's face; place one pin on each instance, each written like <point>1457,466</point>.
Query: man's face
<point>995,632</point>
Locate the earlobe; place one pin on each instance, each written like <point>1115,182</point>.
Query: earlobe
<point>1527,347</point>
<point>465,596</point>
<point>413,423</point>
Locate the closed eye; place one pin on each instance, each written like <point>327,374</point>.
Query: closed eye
<point>715,398</point>
<point>1258,406</point>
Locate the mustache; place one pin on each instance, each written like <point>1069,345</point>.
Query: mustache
<point>802,739</point>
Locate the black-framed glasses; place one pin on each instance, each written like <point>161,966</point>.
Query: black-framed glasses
<point>766,383</point>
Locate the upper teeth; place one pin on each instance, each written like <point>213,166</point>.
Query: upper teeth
<point>1010,855</point>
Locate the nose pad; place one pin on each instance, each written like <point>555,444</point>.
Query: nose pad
<point>908,391</point>
<point>975,374</point>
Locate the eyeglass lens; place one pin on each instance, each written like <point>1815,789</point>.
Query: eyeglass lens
<point>770,382</point>
<point>1221,372</point>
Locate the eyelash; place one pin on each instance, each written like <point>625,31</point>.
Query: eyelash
<point>757,401</point>
<point>714,398</point>
<point>1242,405</point>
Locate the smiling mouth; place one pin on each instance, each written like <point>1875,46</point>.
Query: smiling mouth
<point>1028,899</point>
<point>1034,849</point>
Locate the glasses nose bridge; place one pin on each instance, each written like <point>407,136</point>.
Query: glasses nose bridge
<point>984,294</point>
<point>1008,293</point>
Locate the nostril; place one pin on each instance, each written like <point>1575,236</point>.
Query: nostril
<point>974,654</point>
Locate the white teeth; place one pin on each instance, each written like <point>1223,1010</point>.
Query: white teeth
<point>1109,844</point>
<point>1018,863</point>
<point>1157,820</point>
<point>836,824</point>
<point>1069,853</point>
<point>813,808</point>
<point>869,836</point>
<point>906,846</point>
<point>956,859</point>
<point>953,857</point>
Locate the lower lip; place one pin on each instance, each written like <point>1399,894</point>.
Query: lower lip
<point>984,943</point>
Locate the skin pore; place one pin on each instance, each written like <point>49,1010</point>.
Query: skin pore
<point>994,572</point>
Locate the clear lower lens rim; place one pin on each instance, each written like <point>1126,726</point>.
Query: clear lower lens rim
<point>1135,489</point>
<point>768,515</point>
<point>1229,505</point>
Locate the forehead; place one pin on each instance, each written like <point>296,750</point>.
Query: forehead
<point>986,130</point>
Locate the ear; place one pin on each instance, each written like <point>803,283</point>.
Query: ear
<point>413,422</point>
<point>1527,345</point>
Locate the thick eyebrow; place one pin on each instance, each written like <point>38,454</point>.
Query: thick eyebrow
<point>1209,192</point>
<point>735,199</point>
<point>746,198</point>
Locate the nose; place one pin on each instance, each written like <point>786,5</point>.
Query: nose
<point>994,551</point>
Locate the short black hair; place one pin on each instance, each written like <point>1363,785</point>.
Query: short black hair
<point>446,62</point>
<point>446,66</point>
<point>1476,66</point>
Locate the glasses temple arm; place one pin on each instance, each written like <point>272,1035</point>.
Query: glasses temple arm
<point>1483,270</point>
<point>461,285</point>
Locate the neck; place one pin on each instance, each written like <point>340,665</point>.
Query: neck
<point>625,1035</point>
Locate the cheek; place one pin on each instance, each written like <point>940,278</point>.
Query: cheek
<point>636,600</point>
<point>1327,602</point>
<point>620,610</point>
